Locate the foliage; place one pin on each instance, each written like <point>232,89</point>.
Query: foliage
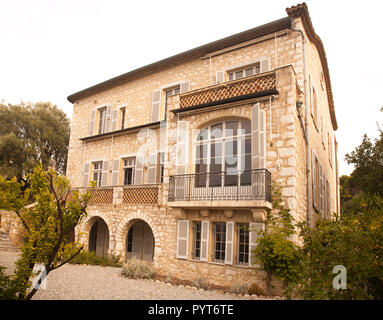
<point>137,269</point>
<point>275,252</point>
<point>30,134</point>
<point>201,283</point>
<point>92,259</point>
<point>240,288</point>
<point>49,211</point>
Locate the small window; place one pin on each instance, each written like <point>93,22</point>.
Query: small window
<point>162,166</point>
<point>243,243</point>
<point>128,169</point>
<point>123,111</point>
<point>219,241</point>
<point>315,108</point>
<point>197,240</point>
<point>246,72</point>
<point>102,120</point>
<point>97,172</point>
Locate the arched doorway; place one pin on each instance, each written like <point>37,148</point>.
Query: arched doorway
<point>140,242</point>
<point>99,238</point>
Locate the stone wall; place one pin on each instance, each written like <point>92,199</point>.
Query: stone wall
<point>11,224</point>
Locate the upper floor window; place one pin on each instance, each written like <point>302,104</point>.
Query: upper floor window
<point>162,166</point>
<point>102,120</point>
<point>97,172</point>
<point>128,169</point>
<point>224,148</point>
<point>123,112</point>
<point>246,72</point>
<point>170,93</point>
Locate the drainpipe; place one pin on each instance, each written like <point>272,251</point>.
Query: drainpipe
<point>308,167</point>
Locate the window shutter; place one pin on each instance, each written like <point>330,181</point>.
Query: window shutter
<point>114,119</point>
<point>108,119</point>
<point>184,87</point>
<point>262,139</point>
<point>115,172</point>
<point>255,137</point>
<point>182,150</point>
<point>253,236</point>
<point>311,98</point>
<point>219,77</point>
<point>314,182</point>
<point>204,241</point>
<point>320,189</point>
<point>105,169</point>
<point>182,239</point>
<point>229,242</point>
<point>92,120</point>
<point>265,65</point>
<point>152,168</point>
<point>86,175</point>
<point>139,169</point>
<point>156,102</point>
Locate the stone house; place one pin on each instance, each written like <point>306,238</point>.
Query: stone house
<point>184,150</point>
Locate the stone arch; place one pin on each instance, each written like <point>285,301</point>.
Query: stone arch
<point>98,237</point>
<point>124,226</point>
<point>223,118</point>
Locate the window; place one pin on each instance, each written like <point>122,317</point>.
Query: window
<point>97,172</point>
<point>123,111</point>
<point>162,166</point>
<point>224,148</point>
<point>246,72</point>
<point>128,168</point>
<point>243,243</point>
<point>170,93</point>
<point>102,120</point>
<point>315,108</point>
<point>197,240</point>
<point>219,241</point>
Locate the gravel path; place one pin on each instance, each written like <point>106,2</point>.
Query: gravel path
<point>84,282</point>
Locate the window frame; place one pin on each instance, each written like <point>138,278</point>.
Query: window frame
<point>101,120</point>
<point>97,171</point>
<point>222,251</point>
<point>232,74</point>
<point>246,227</point>
<point>197,239</point>
<point>128,166</point>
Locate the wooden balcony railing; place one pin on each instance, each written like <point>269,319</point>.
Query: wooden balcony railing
<point>144,194</point>
<point>101,195</point>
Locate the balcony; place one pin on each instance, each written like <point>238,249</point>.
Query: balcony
<point>221,189</point>
<point>246,88</point>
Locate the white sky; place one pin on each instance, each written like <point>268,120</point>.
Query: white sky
<point>50,49</point>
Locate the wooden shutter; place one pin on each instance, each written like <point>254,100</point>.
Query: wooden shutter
<point>314,180</point>
<point>108,119</point>
<point>258,137</point>
<point>184,87</point>
<point>311,97</point>
<point>182,239</point>
<point>139,169</point>
<point>114,119</point>
<point>204,241</point>
<point>320,189</point>
<point>255,228</point>
<point>156,103</point>
<point>219,77</point>
<point>152,168</point>
<point>229,242</point>
<point>105,169</point>
<point>86,175</point>
<point>182,148</point>
<point>92,121</point>
<point>265,65</point>
<point>115,172</point>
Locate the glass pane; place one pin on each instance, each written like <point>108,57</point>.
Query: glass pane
<point>231,148</point>
<point>202,135</point>
<point>231,128</point>
<point>246,127</point>
<point>177,90</point>
<point>201,151</point>
<point>239,74</point>
<point>258,68</point>
<point>247,146</point>
<point>216,150</point>
<point>249,72</point>
<point>216,131</point>
<point>231,76</point>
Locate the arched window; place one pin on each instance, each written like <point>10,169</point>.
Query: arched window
<point>223,154</point>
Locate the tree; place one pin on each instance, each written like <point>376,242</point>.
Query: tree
<point>31,134</point>
<point>49,212</point>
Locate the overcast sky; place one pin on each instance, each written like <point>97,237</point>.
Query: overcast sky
<point>50,49</point>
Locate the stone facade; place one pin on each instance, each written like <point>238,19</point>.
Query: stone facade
<point>152,123</point>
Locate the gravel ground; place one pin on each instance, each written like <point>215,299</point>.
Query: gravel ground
<point>84,282</point>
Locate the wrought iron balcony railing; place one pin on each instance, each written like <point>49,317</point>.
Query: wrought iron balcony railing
<point>245,185</point>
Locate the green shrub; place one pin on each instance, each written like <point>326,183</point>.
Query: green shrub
<point>255,289</point>
<point>137,269</point>
<point>201,283</point>
<point>92,259</point>
<point>239,288</point>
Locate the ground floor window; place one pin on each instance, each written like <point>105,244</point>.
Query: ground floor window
<point>219,241</point>
<point>243,243</point>
<point>197,240</point>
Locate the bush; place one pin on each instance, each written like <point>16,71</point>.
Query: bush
<point>255,289</point>
<point>201,283</point>
<point>92,259</point>
<point>239,288</point>
<point>137,269</point>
